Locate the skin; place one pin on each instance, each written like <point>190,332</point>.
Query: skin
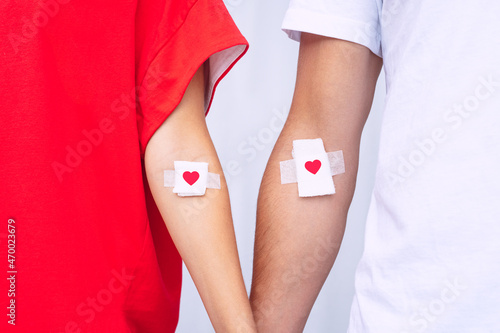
<point>201,227</point>
<point>297,239</point>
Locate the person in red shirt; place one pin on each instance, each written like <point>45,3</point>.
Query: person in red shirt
<point>98,99</point>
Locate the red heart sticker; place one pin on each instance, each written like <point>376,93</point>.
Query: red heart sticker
<point>313,166</point>
<point>191,177</point>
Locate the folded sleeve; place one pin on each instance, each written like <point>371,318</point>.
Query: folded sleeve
<point>356,21</point>
<point>173,39</point>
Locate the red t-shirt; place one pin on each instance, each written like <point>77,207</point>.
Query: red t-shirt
<point>84,85</point>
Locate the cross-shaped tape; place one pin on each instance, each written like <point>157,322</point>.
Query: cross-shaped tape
<point>312,168</point>
<point>190,178</point>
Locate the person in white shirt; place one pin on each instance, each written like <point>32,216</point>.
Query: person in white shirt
<point>431,261</point>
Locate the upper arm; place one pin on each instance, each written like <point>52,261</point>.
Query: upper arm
<point>335,85</point>
<point>334,91</point>
<point>184,135</point>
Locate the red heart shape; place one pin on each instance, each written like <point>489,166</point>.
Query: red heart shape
<point>313,166</point>
<point>191,177</point>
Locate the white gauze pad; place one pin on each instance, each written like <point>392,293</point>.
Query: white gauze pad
<point>312,168</point>
<point>190,178</point>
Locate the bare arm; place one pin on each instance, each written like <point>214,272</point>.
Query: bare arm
<point>297,239</point>
<point>201,227</point>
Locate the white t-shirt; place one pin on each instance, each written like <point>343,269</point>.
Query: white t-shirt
<point>432,246</point>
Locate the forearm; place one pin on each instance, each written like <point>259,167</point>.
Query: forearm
<point>201,227</point>
<point>202,230</point>
<point>297,239</point>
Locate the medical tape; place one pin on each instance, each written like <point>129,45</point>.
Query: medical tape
<point>312,168</point>
<point>213,179</point>
<point>289,170</point>
<point>190,178</point>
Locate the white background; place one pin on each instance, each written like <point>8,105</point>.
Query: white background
<point>249,103</point>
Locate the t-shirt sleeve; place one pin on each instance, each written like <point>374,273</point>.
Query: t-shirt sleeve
<point>173,39</point>
<point>356,21</point>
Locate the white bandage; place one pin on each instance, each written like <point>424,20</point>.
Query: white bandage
<point>312,168</point>
<point>190,178</point>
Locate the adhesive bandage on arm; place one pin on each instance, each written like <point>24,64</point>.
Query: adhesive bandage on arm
<point>190,178</point>
<point>312,168</point>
